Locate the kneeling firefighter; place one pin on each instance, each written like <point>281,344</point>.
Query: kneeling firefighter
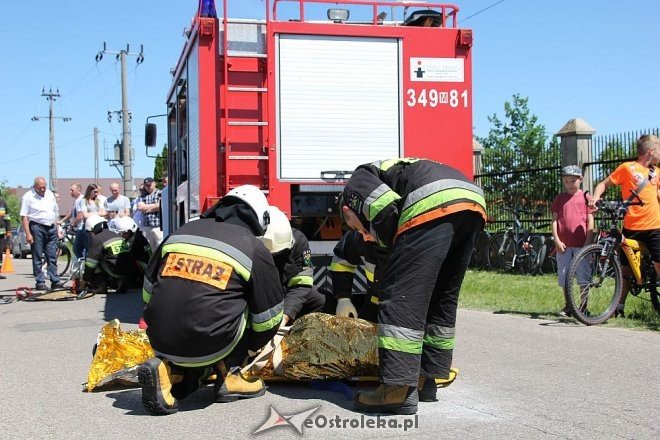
<point>109,262</point>
<point>213,296</point>
<point>137,244</point>
<point>293,258</point>
<point>427,214</point>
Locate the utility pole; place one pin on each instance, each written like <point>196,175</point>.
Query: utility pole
<point>52,163</point>
<point>127,157</point>
<point>96,155</point>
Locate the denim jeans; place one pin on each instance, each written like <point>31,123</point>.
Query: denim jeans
<point>45,243</point>
<point>81,243</point>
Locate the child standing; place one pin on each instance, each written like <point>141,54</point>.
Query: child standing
<point>572,223</point>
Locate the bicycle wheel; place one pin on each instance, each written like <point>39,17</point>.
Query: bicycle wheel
<point>495,258</point>
<point>550,261</point>
<point>593,285</point>
<point>479,258</point>
<point>63,259</point>
<point>653,290</point>
<point>533,254</point>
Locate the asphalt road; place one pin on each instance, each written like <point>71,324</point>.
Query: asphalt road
<point>519,378</point>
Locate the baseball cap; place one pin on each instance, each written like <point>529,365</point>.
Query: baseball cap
<point>148,180</point>
<point>571,170</point>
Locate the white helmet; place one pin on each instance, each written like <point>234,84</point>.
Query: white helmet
<point>279,235</point>
<point>125,224</point>
<point>92,221</point>
<point>256,199</point>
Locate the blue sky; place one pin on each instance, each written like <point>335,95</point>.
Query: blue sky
<point>593,59</point>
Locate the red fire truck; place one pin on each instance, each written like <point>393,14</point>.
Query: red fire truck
<point>294,102</point>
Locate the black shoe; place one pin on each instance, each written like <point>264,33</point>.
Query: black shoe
<point>619,313</point>
<point>2,277</point>
<point>41,286</point>
<point>122,285</point>
<point>57,286</point>
<point>427,389</point>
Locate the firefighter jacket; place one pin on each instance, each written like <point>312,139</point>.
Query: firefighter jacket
<point>206,285</point>
<point>5,227</point>
<point>392,196</point>
<point>108,252</point>
<point>140,249</point>
<point>296,273</point>
<point>350,252</point>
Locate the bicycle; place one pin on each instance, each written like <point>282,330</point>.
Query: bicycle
<point>517,247</point>
<point>594,284</point>
<point>66,236</point>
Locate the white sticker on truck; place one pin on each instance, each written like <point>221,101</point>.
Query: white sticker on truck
<point>437,69</point>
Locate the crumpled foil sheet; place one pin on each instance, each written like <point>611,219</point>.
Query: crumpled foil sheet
<point>321,346</point>
<point>117,357</point>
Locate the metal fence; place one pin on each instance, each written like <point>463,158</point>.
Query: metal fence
<point>533,189</point>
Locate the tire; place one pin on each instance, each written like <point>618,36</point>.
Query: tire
<point>550,262</point>
<point>653,290</point>
<point>479,258</point>
<point>495,259</point>
<point>63,259</point>
<point>603,290</point>
<point>534,256</point>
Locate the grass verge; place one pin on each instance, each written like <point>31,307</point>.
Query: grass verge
<point>541,297</point>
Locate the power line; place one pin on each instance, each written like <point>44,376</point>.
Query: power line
<point>483,10</point>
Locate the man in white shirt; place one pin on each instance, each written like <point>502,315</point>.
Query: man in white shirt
<point>119,201</point>
<point>39,215</point>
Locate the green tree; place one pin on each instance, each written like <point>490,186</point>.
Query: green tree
<point>519,163</point>
<point>13,204</point>
<point>160,167</point>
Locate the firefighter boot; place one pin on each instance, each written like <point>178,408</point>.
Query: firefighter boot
<point>232,385</point>
<point>156,379</point>
<point>444,383</point>
<point>427,389</point>
<point>395,399</point>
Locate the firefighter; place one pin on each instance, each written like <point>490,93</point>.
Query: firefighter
<point>109,262</point>
<point>293,258</point>
<point>213,296</point>
<point>138,245</point>
<point>350,252</point>
<point>427,214</point>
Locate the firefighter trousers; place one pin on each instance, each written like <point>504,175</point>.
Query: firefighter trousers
<point>419,298</point>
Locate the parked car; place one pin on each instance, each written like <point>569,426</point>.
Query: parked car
<point>20,248</point>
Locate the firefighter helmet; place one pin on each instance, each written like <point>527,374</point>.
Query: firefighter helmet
<point>255,199</point>
<point>278,236</point>
<point>92,221</point>
<point>125,224</point>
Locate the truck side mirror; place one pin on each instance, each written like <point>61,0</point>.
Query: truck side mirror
<point>150,134</point>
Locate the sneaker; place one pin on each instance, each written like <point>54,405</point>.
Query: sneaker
<point>57,286</point>
<point>41,286</point>
<point>565,312</point>
<point>619,313</point>
<point>154,377</point>
<point>2,277</point>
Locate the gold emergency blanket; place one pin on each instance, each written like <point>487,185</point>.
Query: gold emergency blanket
<point>117,356</point>
<point>321,346</point>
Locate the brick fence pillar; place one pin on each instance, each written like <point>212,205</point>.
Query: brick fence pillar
<point>576,136</point>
